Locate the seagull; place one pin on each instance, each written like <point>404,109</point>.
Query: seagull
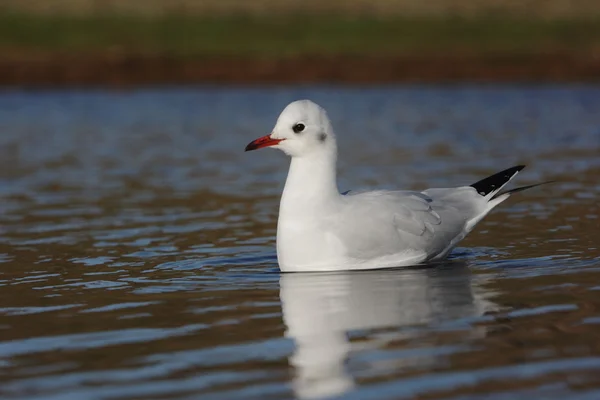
<point>321,229</point>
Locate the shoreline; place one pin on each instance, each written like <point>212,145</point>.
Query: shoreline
<point>178,49</point>
<point>105,70</point>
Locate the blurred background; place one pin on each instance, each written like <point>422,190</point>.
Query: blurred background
<point>58,42</point>
<point>137,239</point>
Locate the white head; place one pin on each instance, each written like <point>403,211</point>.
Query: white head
<point>302,129</point>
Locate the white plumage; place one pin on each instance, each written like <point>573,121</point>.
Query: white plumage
<point>320,229</point>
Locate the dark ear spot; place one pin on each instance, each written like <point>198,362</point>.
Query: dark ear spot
<point>322,137</point>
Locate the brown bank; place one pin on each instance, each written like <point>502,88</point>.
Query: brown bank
<point>131,50</point>
<point>134,70</point>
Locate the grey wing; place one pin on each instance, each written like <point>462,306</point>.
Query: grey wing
<point>461,203</point>
<point>413,213</point>
<point>385,222</point>
<point>437,216</point>
<point>388,222</point>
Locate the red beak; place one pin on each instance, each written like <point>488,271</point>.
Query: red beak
<point>261,142</point>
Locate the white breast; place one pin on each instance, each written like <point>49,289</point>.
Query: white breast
<point>306,244</point>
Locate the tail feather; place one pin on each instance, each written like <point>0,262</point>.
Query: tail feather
<point>490,186</point>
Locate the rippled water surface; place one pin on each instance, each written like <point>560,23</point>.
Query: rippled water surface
<point>137,250</point>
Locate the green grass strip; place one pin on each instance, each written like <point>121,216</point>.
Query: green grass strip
<point>281,36</point>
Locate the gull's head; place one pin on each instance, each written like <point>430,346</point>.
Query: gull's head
<point>302,129</point>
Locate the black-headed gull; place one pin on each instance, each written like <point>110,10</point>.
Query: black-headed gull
<point>320,229</point>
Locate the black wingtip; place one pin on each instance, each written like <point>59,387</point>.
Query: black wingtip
<point>495,182</point>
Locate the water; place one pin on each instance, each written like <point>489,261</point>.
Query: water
<point>137,249</point>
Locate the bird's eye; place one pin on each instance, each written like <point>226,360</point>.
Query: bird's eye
<point>298,128</point>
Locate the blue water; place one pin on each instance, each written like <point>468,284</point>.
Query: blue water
<point>137,249</point>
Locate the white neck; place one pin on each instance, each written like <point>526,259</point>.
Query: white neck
<point>311,183</point>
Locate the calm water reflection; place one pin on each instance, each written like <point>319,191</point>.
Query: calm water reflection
<point>137,251</point>
<point>321,310</point>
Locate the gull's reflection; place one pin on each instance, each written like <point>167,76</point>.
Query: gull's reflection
<point>320,309</point>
